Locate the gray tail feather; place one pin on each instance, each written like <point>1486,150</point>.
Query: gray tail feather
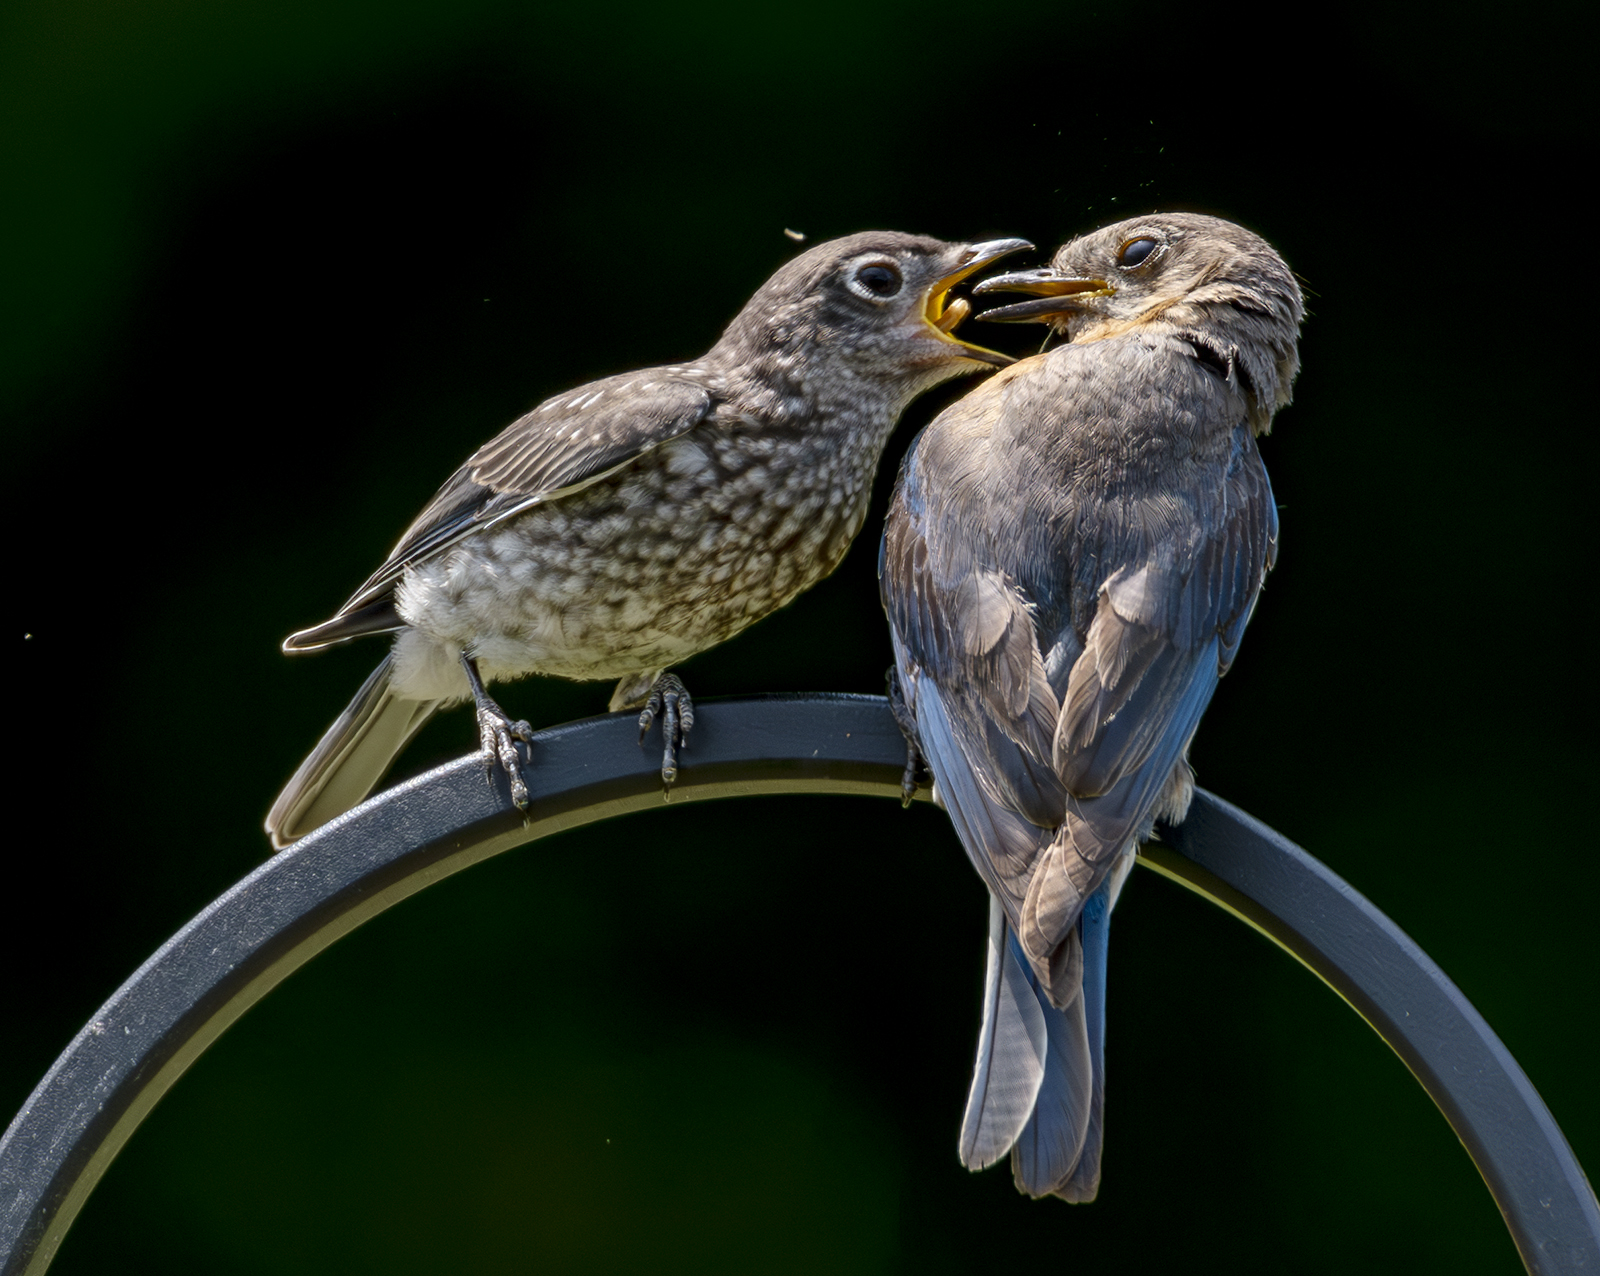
<point>352,756</point>
<point>1012,1052</point>
<point>1038,1087</point>
<point>1050,1148</point>
<point>1070,1111</point>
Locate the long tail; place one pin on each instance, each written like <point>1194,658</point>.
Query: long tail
<point>1039,1163</point>
<point>352,756</point>
<point>1038,1088</point>
<point>1021,1031</point>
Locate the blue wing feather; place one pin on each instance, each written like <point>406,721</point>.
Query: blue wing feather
<point>1058,638</point>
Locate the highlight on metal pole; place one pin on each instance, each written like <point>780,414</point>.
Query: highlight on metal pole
<point>297,903</point>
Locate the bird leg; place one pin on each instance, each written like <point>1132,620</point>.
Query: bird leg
<point>916,767</point>
<point>496,732</point>
<point>669,698</point>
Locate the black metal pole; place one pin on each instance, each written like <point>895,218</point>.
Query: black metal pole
<point>299,902</point>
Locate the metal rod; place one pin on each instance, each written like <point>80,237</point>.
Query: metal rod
<point>297,903</point>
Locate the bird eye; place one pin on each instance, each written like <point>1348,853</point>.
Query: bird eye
<point>1135,251</point>
<point>876,280</point>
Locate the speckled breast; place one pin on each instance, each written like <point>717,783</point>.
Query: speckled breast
<point>680,551</point>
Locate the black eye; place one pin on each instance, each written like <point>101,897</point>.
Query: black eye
<point>1135,251</point>
<point>881,279</point>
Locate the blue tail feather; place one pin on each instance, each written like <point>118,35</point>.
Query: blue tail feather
<point>1058,1151</point>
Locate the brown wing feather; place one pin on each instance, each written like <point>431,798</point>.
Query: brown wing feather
<point>560,447</point>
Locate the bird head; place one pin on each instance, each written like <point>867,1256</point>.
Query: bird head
<point>877,304</point>
<point>1186,273</point>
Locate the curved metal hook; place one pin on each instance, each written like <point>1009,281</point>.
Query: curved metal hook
<point>296,904</point>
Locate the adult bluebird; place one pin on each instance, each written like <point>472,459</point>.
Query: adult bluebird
<point>1071,557</point>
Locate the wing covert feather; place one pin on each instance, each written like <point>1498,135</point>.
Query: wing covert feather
<point>562,446</point>
<point>972,633</point>
<point>1155,622</point>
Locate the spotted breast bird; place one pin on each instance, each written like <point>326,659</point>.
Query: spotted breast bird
<point>1071,556</point>
<point>624,526</point>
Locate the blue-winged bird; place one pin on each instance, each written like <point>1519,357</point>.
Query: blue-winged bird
<point>1071,557</point>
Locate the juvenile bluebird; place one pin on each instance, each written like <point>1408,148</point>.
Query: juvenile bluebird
<point>624,526</point>
<point>1071,556</point>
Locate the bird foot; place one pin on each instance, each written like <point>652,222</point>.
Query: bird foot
<point>916,767</point>
<point>496,733</point>
<point>668,698</point>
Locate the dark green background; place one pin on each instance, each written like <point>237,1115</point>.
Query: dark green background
<point>273,270</point>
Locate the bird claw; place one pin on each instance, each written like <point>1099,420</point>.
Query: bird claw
<point>909,778</point>
<point>668,698</point>
<point>916,766</point>
<point>496,733</point>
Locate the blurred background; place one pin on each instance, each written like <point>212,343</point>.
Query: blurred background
<point>272,270</point>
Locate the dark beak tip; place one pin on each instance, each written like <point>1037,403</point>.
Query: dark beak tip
<point>989,358</point>
<point>1016,281</point>
<point>994,249</point>
<point>1039,311</point>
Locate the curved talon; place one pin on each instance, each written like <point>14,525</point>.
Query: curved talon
<point>908,779</point>
<point>670,724</point>
<point>916,766</point>
<point>497,735</point>
<point>669,699</point>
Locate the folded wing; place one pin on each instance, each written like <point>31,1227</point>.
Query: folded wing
<point>561,447</point>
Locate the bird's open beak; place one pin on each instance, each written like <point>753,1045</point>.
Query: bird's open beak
<point>945,315</point>
<point>1058,295</point>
